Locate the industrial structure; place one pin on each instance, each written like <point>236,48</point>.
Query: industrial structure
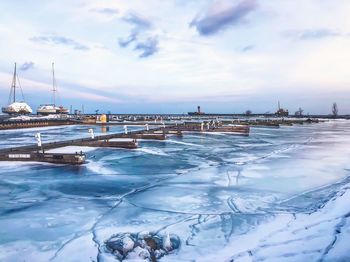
<point>281,111</point>
<point>199,112</point>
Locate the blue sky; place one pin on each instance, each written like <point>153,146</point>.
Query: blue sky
<point>170,56</point>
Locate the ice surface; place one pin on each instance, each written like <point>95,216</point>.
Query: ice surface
<point>320,236</point>
<point>71,149</point>
<point>277,195</point>
<point>122,139</point>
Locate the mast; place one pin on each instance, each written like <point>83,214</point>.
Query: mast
<point>14,83</point>
<point>53,85</point>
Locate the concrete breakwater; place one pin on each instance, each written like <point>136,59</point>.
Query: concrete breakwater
<point>5,125</point>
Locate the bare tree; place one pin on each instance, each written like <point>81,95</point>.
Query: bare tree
<point>334,109</point>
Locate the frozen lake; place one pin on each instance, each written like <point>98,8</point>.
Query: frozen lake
<point>277,195</point>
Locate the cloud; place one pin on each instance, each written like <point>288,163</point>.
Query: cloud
<point>125,42</point>
<point>94,97</point>
<point>309,34</point>
<point>218,17</point>
<point>105,11</point>
<point>141,26</point>
<point>148,47</point>
<point>247,48</point>
<point>59,40</point>
<point>138,21</point>
<point>68,91</point>
<point>26,66</point>
<point>318,33</point>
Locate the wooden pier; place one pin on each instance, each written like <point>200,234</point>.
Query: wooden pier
<point>210,126</point>
<point>117,140</point>
<point>39,154</point>
<point>271,122</point>
<point>108,143</point>
<point>55,158</point>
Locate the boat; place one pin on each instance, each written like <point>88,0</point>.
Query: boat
<point>15,107</point>
<point>50,109</point>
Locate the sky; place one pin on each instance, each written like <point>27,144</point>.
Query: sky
<point>168,56</point>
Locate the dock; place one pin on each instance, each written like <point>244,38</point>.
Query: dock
<point>39,154</point>
<point>7,123</point>
<point>128,140</point>
<point>55,158</point>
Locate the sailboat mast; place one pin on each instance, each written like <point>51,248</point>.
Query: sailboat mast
<point>14,83</point>
<point>53,84</point>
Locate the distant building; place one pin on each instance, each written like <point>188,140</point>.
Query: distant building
<point>199,112</point>
<point>281,111</point>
